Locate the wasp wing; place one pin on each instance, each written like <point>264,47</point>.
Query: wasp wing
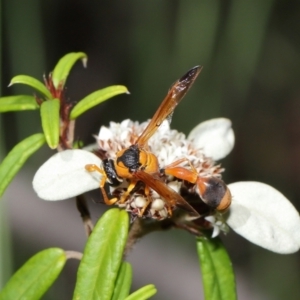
<point>168,194</point>
<point>165,110</point>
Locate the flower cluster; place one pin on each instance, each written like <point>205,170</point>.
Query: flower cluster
<point>168,146</point>
<point>258,212</point>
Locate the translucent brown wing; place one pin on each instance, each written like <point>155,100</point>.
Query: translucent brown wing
<point>168,194</point>
<point>165,110</point>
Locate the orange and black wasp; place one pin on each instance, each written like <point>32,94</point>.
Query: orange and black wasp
<point>139,165</point>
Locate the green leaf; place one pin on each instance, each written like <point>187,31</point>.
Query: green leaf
<point>123,283</point>
<point>50,121</point>
<point>96,98</point>
<point>15,159</point>
<point>143,293</point>
<point>217,272</point>
<point>102,257</point>
<point>34,83</point>
<point>64,65</point>
<point>35,277</point>
<point>15,103</point>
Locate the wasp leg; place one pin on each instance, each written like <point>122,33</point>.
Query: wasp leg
<point>130,189</point>
<point>177,162</point>
<point>133,186</point>
<point>181,172</point>
<point>95,168</point>
<point>149,200</point>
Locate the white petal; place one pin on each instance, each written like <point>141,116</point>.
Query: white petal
<point>216,231</point>
<point>210,219</point>
<point>214,136</point>
<point>105,133</point>
<point>262,215</point>
<point>64,176</point>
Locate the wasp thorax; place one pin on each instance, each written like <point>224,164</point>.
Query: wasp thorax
<point>127,161</point>
<point>148,162</point>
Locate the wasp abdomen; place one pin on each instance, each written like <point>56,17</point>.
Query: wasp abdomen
<point>214,193</point>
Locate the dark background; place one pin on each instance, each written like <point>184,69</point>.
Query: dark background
<point>250,53</point>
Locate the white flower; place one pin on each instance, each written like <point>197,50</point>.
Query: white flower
<point>59,177</point>
<point>264,216</point>
<point>63,175</point>
<point>219,131</point>
<point>218,224</point>
<point>258,212</point>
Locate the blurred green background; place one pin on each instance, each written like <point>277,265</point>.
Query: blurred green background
<point>250,53</point>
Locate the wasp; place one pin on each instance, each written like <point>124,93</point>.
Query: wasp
<point>212,190</point>
<point>140,167</point>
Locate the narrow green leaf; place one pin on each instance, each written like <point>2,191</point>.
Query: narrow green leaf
<point>96,98</point>
<point>6,248</point>
<point>217,272</point>
<point>64,65</point>
<point>34,83</point>
<point>143,293</point>
<point>123,283</point>
<point>20,102</point>
<point>15,159</point>
<point>102,257</point>
<point>51,121</point>
<point>35,277</point>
